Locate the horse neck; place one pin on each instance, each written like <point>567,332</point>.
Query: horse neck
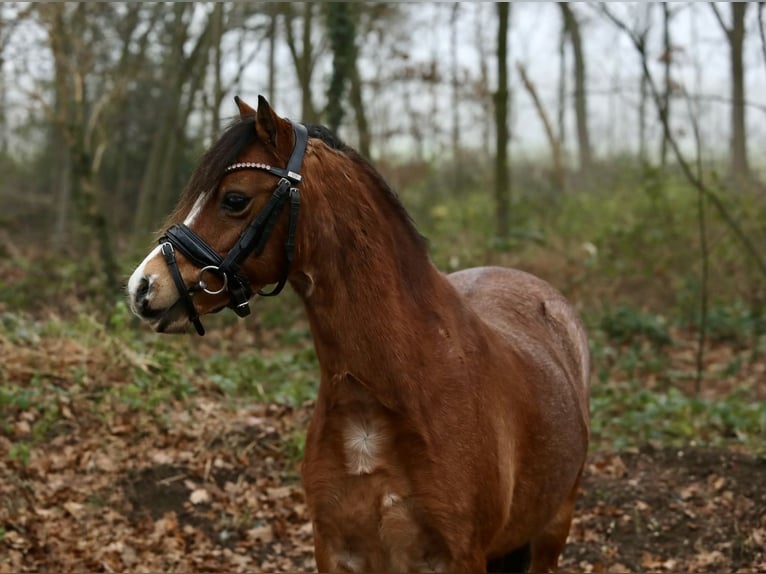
<point>375,293</point>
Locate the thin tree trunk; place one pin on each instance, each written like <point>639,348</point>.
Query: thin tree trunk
<point>3,121</point>
<point>307,64</point>
<point>502,187</point>
<point>457,182</point>
<point>185,74</point>
<point>217,35</point>
<point>580,96</point>
<point>644,94</point>
<point>740,168</point>
<point>667,58</point>
<point>562,91</point>
<point>272,66</point>
<point>60,166</point>
<point>740,165</point>
<point>303,60</point>
<point>357,103</point>
<point>643,91</point>
<point>342,35</point>
<point>558,167</point>
<point>484,89</point>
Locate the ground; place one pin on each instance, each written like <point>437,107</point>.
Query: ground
<point>127,454</point>
<point>214,487</point>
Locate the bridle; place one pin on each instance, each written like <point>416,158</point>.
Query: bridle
<point>252,241</point>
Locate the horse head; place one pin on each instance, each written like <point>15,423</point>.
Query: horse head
<point>233,231</point>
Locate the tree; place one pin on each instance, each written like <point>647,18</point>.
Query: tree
<point>91,46</point>
<point>457,182</point>
<point>6,27</point>
<point>667,58</point>
<point>502,186</point>
<point>180,83</point>
<point>304,56</point>
<point>341,32</point>
<point>580,94</point>
<point>735,36</point>
<point>557,175</point>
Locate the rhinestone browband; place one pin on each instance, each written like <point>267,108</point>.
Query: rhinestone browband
<point>247,165</point>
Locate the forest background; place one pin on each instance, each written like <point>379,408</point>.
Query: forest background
<point>610,148</point>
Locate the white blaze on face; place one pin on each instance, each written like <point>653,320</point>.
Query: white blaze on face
<point>196,209</point>
<point>138,275</point>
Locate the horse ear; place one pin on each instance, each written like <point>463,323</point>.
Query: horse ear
<point>244,109</point>
<point>266,122</point>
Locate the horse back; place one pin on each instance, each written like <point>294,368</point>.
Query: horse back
<point>532,317</point>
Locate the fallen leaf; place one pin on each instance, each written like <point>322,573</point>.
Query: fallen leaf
<point>263,534</point>
<point>199,496</point>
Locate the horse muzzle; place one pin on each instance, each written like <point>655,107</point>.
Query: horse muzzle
<point>171,318</point>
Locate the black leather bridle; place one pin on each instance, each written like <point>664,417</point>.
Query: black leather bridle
<point>252,241</point>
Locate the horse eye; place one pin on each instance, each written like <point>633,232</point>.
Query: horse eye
<point>235,202</point>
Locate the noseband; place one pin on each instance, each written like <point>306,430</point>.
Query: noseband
<point>252,241</point>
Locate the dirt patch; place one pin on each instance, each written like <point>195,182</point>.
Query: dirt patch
<point>692,509</point>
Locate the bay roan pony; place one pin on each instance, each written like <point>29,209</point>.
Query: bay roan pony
<point>451,424</point>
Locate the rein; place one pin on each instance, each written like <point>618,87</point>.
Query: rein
<point>252,241</point>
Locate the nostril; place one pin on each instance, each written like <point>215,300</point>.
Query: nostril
<point>142,291</point>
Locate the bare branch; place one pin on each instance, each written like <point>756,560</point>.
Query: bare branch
<point>553,139</point>
<point>761,29</point>
<point>754,253</point>
<point>718,17</point>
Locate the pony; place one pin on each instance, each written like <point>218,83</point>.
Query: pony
<point>451,424</point>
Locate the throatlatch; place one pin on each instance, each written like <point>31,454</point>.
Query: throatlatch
<point>252,241</point>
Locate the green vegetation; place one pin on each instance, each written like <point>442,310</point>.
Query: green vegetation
<point>628,415</point>
<point>628,259</point>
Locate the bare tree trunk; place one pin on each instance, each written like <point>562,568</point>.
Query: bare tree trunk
<point>185,74</point>
<point>272,66</point>
<point>644,94</point>
<point>357,103</point>
<point>59,151</point>
<point>557,178</point>
<point>66,26</point>
<point>667,58</point>
<point>740,165</point>
<point>216,37</point>
<point>502,186</point>
<point>303,59</point>
<point>3,104</point>
<point>342,36</point>
<point>762,29</point>
<point>457,182</point>
<point>562,88</point>
<point>735,36</point>
<point>580,96</point>
<point>484,89</point>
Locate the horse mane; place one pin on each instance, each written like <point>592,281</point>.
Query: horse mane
<point>240,134</point>
<point>236,137</point>
<point>330,139</point>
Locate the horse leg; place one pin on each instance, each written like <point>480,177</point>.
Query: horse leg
<point>515,561</point>
<point>473,562</point>
<point>322,554</point>
<point>547,547</point>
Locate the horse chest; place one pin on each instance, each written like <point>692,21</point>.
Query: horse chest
<point>365,515</point>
